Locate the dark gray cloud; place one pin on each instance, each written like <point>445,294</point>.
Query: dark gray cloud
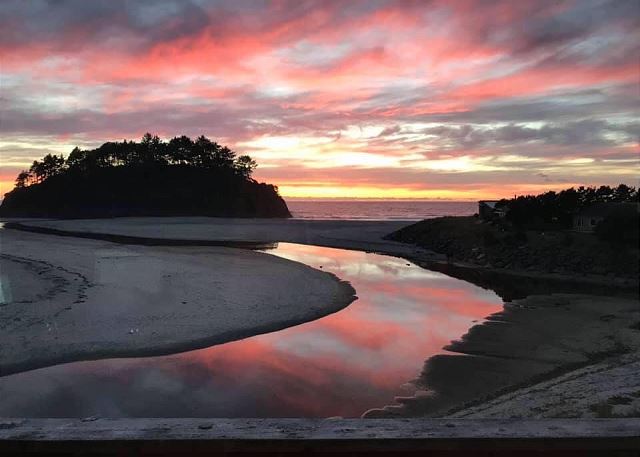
<point>529,27</point>
<point>68,25</point>
<point>390,131</point>
<point>561,106</point>
<point>586,132</point>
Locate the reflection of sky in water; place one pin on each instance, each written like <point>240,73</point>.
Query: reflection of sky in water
<point>342,364</point>
<point>5,293</point>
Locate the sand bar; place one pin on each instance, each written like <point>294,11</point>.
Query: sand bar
<point>65,299</point>
<point>360,235</point>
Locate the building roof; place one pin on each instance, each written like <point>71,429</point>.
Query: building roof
<point>490,203</point>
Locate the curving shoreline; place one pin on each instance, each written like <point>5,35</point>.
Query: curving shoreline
<point>505,366</point>
<point>368,236</point>
<point>69,299</point>
<point>528,345</point>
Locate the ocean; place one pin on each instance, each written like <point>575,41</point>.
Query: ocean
<point>376,210</point>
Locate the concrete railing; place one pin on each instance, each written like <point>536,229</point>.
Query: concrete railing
<point>607,437</point>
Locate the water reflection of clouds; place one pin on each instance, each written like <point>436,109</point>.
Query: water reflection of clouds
<point>5,290</point>
<point>342,364</point>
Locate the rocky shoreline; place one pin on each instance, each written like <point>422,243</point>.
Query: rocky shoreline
<point>567,261</point>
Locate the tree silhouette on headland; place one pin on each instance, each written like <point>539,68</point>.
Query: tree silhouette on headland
<point>556,209</point>
<point>151,151</point>
<point>181,176</point>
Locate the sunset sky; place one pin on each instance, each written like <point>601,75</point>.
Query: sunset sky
<point>386,99</point>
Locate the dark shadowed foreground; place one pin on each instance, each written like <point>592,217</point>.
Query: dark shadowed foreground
<point>400,437</point>
<point>534,340</point>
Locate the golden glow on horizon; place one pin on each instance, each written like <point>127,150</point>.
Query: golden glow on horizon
<point>464,164</point>
<point>326,167</point>
<point>352,159</point>
<point>338,191</point>
<point>346,192</point>
<point>342,191</point>
<point>5,186</point>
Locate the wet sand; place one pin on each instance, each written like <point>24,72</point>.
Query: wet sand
<point>606,389</point>
<point>534,340</point>
<point>359,235</point>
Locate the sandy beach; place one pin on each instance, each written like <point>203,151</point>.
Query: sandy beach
<point>360,235</point>
<point>605,389</point>
<point>67,299</point>
<point>535,340</point>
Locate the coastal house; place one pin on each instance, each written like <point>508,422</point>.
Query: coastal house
<point>588,218</point>
<point>488,209</point>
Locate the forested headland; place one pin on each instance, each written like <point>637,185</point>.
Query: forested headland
<point>151,177</point>
<point>535,233</point>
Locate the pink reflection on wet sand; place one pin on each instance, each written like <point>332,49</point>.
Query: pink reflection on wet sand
<point>340,365</point>
<point>403,315</point>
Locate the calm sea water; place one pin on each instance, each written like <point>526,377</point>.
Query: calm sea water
<point>340,365</point>
<point>378,209</point>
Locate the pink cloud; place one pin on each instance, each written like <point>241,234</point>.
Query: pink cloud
<point>241,72</point>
